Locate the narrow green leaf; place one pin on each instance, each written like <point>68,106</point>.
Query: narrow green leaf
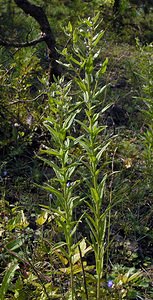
<point>94,194</point>
<point>53,165</point>
<point>134,277</point>
<point>95,18</point>
<point>86,96</point>
<point>81,84</point>
<point>97,130</point>
<point>9,274</point>
<point>75,37</point>
<point>97,38</point>
<point>68,122</point>
<point>63,64</point>
<point>50,151</point>
<point>71,169</point>
<point>97,54</point>
<point>101,186</point>
<point>92,224</point>
<point>64,51</point>
<point>89,65</point>
<point>83,62</point>
<point>74,228</point>
<point>86,128</point>
<point>100,91</point>
<point>99,154</point>
<point>70,28</point>
<point>85,144</point>
<point>75,61</point>
<point>102,229</point>
<point>53,190</point>
<point>106,107</point>
<point>92,207</point>
<point>53,132</point>
<point>58,246</point>
<point>102,69</point>
<point>88,22</point>
<point>92,231</point>
<point>13,245</point>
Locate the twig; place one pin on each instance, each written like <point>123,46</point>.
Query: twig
<point>29,264</point>
<point>25,101</point>
<point>22,45</point>
<point>19,258</point>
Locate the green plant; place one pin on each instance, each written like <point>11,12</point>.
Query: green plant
<point>147,94</point>
<point>127,283</point>
<point>64,166</point>
<point>91,145</point>
<point>12,267</point>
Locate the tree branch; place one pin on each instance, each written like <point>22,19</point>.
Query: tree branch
<point>25,101</point>
<point>39,15</point>
<point>21,45</point>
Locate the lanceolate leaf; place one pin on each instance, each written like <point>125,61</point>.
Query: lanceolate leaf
<point>95,195</point>
<point>92,226</point>
<point>68,122</point>
<point>96,18</point>
<point>100,91</point>
<point>53,165</point>
<point>97,38</point>
<point>101,186</point>
<point>75,61</point>
<point>81,84</point>
<point>99,154</point>
<point>106,107</point>
<point>86,128</point>
<point>53,190</point>
<point>12,267</point>
<point>15,244</point>
<point>85,144</point>
<point>50,151</point>
<point>52,131</point>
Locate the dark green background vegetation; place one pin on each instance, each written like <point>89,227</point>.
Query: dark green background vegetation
<point>30,266</point>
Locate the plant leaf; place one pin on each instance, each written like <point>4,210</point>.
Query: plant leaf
<point>9,274</point>
<point>42,218</point>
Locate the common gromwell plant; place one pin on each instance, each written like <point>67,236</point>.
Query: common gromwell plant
<point>79,101</point>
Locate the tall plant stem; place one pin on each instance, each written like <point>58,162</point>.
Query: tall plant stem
<point>71,278</point>
<point>110,202</point>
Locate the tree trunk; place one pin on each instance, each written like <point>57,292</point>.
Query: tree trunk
<point>39,15</point>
